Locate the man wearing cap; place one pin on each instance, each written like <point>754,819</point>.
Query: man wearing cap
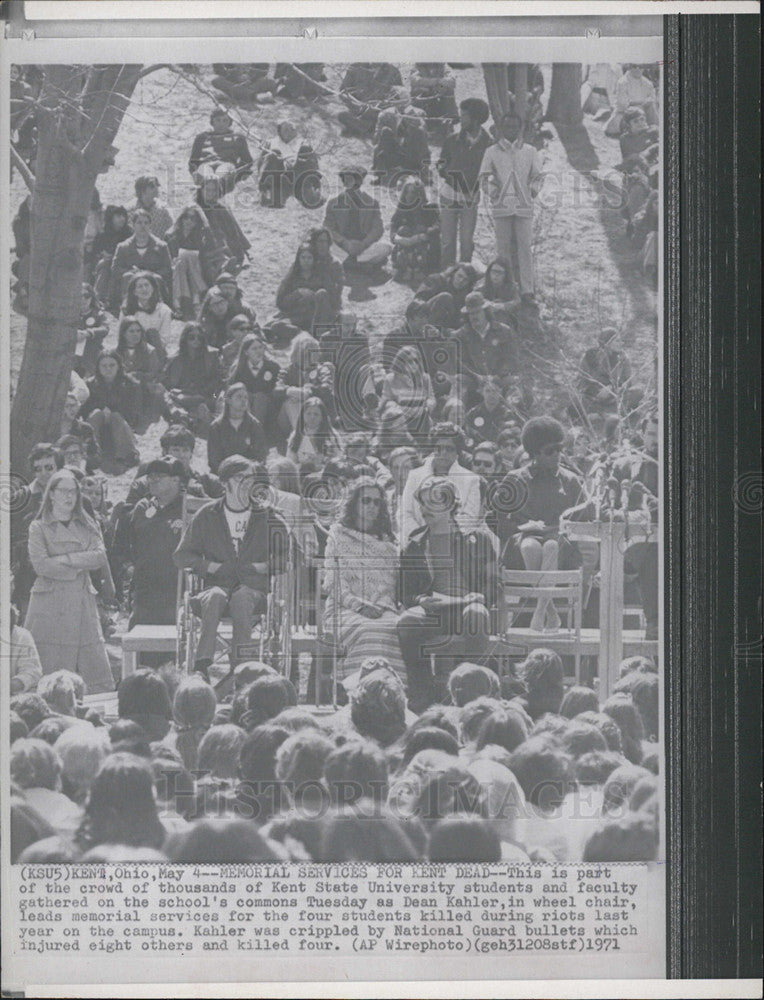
<point>355,222</point>
<point>511,175</point>
<point>154,532</point>
<point>236,546</point>
<point>448,581</point>
<point>177,442</point>
<point>221,143</point>
<point>459,168</point>
<point>446,443</point>
<point>488,347</point>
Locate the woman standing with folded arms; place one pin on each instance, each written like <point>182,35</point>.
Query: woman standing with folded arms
<point>65,544</point>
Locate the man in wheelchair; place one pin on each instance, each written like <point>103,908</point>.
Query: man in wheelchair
<point>235,545</point>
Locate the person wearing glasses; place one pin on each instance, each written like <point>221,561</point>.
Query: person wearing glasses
<point>65,545</point>
<point>529,502</point>
<point>361,575</point>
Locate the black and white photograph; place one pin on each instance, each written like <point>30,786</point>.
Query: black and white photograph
<point>334,502</point>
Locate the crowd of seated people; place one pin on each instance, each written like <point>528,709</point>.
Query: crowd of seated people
<point>395,475</point>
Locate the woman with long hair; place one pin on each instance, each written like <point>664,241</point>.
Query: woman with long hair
<point>214,317</point>
<point>262,377</point>
<point>65,545</point>
<point>235,431</point>
<point>92,330</point>
<point>193,378</point>
<point>414,233</point>
<point>142,361</point>
<point>409,385</point>
<point>361,576</point>
<point>499,288</point>
<point>115,231</point>
<point>303,296</point>
<point>226,231</point>
<point>313,438</point>
<point>121,807</point>
<point>143,299</point>
<point>197,260</point>
<point>330,269</point>
<point>112,409</point>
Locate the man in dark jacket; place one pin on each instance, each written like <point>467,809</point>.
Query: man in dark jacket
<point>236,547</point>
<point>459,168</point>
<point>221,143</point>
<point>448,582</point>
<point>155,527</point>
<point>141,252</point>
<point>487,347</point>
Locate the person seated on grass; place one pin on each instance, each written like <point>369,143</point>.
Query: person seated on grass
<point>415,234</point>
<point>221,145</point>
<point>485,420</point>
<point>235,431</point>
<point>197,260</point>
<point>366,89</point>
<point>147,198</point>
<point>254,368</point>
<point>354,221</point>
<point>445,293</point>
<point>499,290</point>
<point>143,301</point>
<point>313,439</point>
<point>432,88</point>
<point>115,231</point>
<point>244,82</point>
<point>113,409</point>
<point>303,295</point>
<point>289,167</point>
<point>228,235</point>
<point>142,361</point>
<point>142,252</point>
<point>74,427</point>
<point>193,378</point>
<point>92,330</point>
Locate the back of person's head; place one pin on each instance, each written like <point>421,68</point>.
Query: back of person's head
<point>427,738</point>
<point>369,834</point>
<point>300,761</point>
<point>296,832</point>
<point>219,750</point>
<point>503,796</point>
<point>621,708</point>
<point>30,708</point>
<point>465,838</point>
<point>194,704</point>
<point>620,785</point>
<point>632,837</point>
<point>221,841</point>
<point>474,714</point>
<point>581,738</point>
<point>577,700</point>
<point>173,784</point>
<point>637,665</point>
<point>143,697</point>
<point>60,691</point>
<point>266,697</point>
<point>378,708</point>
<point>27,826</point>
<point>651,759</point>
<point>503,727</point>
<point>595,767</point>
<point>127,736</point>
<point>51,728</point>
<point>121,808</point>
<point>53,850</point>
<point>543,674</point>
<point>644,790</point>
<point>18,730</point>
<point>544,770</point>
<point>82,749</point>
<point>356,770</point>
<point>442,717</point>
<point>551,725</point>
<point>257,757</point>
<point>249,671</point>
<point>295,718</point>
<point>607,726</point>
<point>469,681</point>
<point>35,764</point>
<point>451,790</point>
<point>643,686</point>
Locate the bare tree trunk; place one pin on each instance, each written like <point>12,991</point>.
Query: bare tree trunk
<point>518,84</point>
<point>80,111</point>
<point>564,105</point>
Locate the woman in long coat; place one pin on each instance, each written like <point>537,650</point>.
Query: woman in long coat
<point>65,544</point>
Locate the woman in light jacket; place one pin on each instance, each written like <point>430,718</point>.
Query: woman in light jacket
<point>65,544</point>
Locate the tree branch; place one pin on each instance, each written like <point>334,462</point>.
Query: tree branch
<point>152,69</point>
<point>26,174</point>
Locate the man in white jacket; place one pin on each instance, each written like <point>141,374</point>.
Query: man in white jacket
<point>511,177</point>
<point>446,442</point>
